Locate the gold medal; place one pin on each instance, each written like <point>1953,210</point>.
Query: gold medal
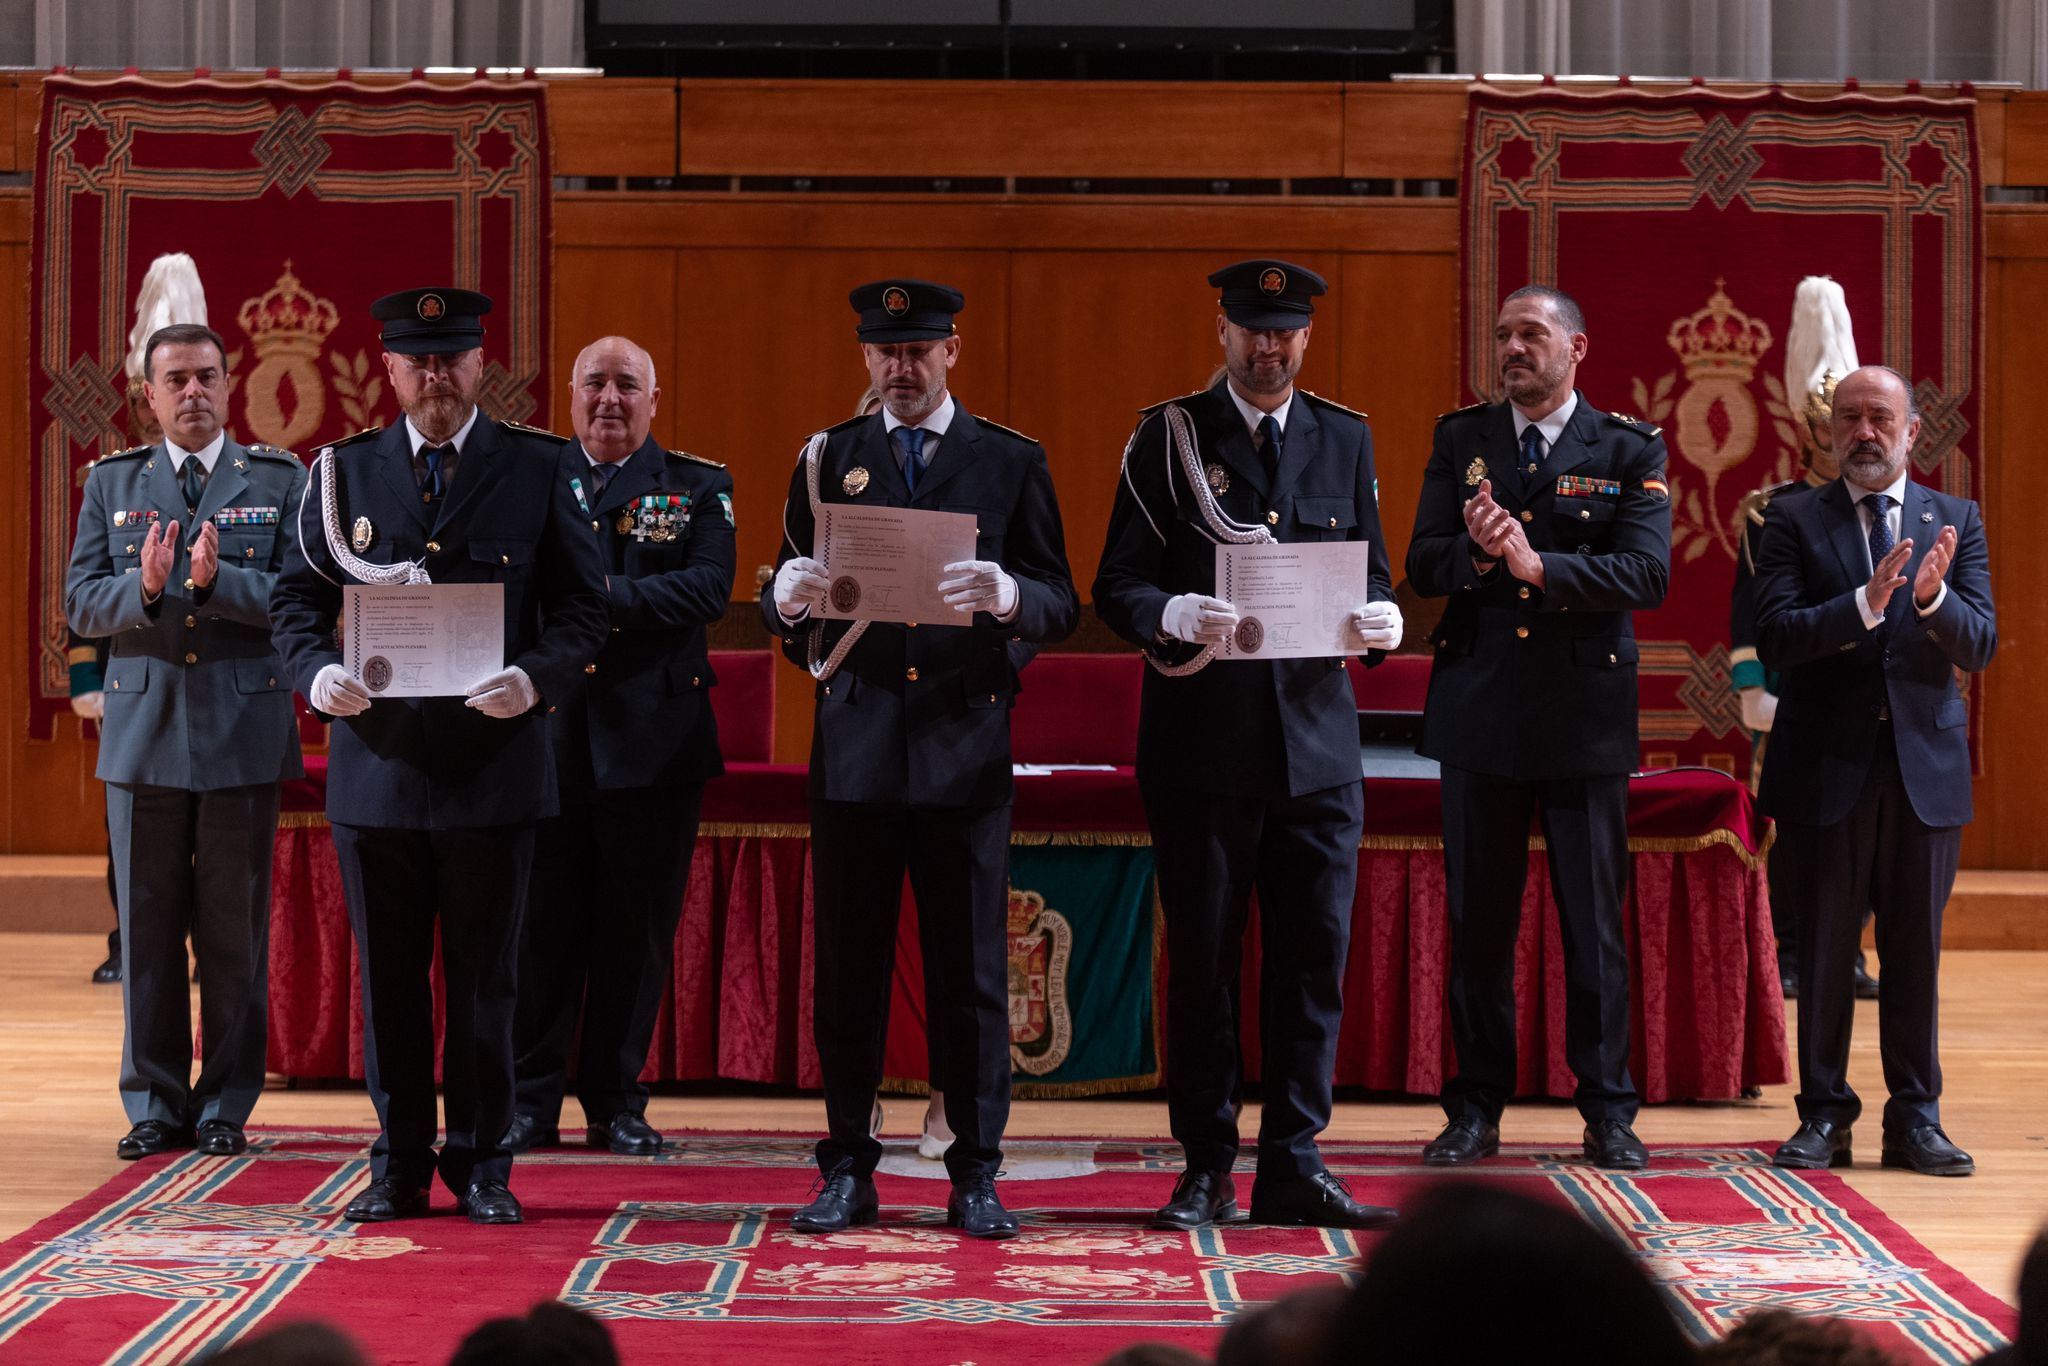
<point>856,481</point>
<point>1219,479</point>
<point>120,518</point>
<point>1475,472</point>
<point>625,524</point>
<point>364,535</point>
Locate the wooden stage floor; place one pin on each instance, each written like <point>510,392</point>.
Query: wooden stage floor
<point>60,1041</point>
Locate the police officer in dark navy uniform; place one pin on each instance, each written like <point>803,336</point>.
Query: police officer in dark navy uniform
<point>1546,523</point>
<point>1249,768</point>
<point>176,552</point>
<point>634,743</point>
<point>910,757</point>
<point>433,800</point>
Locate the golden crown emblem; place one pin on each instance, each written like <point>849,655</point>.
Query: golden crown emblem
<point>1025,908</point>
<point>1719,340</point>
<point>288,319</point>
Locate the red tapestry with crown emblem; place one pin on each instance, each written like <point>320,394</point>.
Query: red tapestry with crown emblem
<point>1683,222</point>
<point>300,203</point>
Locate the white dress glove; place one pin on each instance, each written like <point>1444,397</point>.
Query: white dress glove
<point>336,693</point>
<point>90,705</point>
<point>1377,626</point>
<point>1198,620</point>
<point>800,585</point>
<point>1759,708</point>
<point>505,694</point>
<point>979,586</point>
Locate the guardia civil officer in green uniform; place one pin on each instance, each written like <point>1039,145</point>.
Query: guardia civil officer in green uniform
<point>433,800</point>
<point>1547,523</point>
<point>1249,768</point>
<point>176,552</point>
<point>910,757</point>
<point>634,742</point>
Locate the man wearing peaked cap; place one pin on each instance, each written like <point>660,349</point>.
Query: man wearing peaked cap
<point>910,757</point>
<point>433,800</point>
<point>1249,767</point>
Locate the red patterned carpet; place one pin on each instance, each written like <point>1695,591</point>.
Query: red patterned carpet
<point>688,1256</point>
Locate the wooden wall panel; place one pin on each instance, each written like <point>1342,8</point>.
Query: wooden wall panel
<point>627,291</point>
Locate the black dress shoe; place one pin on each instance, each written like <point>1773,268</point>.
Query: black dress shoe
<point>628,1135</point>
<point>151,1137</point>
<point>221,1138</point>
<point>1463,1141</point>
<point>1318,1200</point>
<point>977,1211</point>
<point>1199,1198</point>
<point>490,1202</point>
<point>841,1201</point>
<point>1926,1150</point>
<point>1788,979</point>
<point>384,1200</point>
<point>525,1132</point>
<point>109,971</point>
<point>1612,1145</point>
<point>1820,1143</point>
<point>1865,985</point>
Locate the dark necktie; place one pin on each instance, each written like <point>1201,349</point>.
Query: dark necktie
<point>600,475</point>
<point>912,441</point>
<point>193,481</point>
<point>1269,449</point>
<point>430,487</point>
<point>1880,527</point>
<point>1532,454</point>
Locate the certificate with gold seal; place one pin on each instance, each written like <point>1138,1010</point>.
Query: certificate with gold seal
<point>1293,601</point>
<point>885,563</point>
<point>422,640</point>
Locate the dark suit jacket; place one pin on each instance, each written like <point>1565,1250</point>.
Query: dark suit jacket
<point>420,763</point>
<point>1836,675</point>
<point>1270,728</point>
<point>196,696</point>
<point>644,718</point>
<point>922,714</point>
<point>1541,683</point>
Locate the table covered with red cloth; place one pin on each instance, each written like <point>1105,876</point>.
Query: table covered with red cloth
<point>1708,1017</point>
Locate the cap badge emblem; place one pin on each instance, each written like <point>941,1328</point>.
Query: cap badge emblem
<point>431,307</point>
<point>895,301</point>
<point>1273,280</point>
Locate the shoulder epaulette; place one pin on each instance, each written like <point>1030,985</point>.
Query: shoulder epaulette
<point>272,453</point>
<point>1006,431</point>
<point>1183,398</point>
<point>855,420</point>
<point>1636,425</point>
<point>1331,403</point>
<point>1468,408</point>
<point>119,455</point>
<point>353,438</point>
<point>535,431</point>
<point>700,459</point>
<point>1756,500</point>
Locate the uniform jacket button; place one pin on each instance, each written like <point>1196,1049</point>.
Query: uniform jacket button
<point>1333,522</point>
<point>1585,515</point>
<point>1523,591</point>
<point>910,674</point>
<point>1272,519</point>
<point>189,585</point>
<point>191,658</point>
<point>696,681</point>
<point>1528,516</point>
<point>1612,660</point>
<point>433,547</point>
<point>590,668</point>
<point>504,559</point>
<point>191,621</point>
<point>1521,633</point>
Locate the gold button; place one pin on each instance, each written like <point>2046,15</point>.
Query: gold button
<point>272,682</point>
<point>551,711</point>
<point>828,690</point>
<point>1528,516</point>
<point>191,621</point>
<point>1525,592</point>
<point>1272,519</point>
<point>191,658</point>
<point>991,697</point>
<point>590,668</point>
<point>249,552</point>
<point>117,685</point>
<point>504,559</point>
<point>695,681</point>
<point>1585,514</point>
<point>433,547</point>
<point>1521,633</point>
<point>910,623</point>
<point>593,524</point>
<point>910,674</point>
<point>189,584</point>
<point>1333,521</point>
<point>131,548</point>
<point>1611,659</point>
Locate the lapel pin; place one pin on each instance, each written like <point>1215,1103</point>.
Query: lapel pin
<point>1926,516</point>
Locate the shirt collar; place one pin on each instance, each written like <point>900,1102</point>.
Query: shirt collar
<point>1253,415</point>
<point>1552,425</point>
<point>941,418</point>
<point>413,434</point>
<point>1897,491</point>
<point>209,455</point>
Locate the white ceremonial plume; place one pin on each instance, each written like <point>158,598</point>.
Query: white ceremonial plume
<point>1821,339</point>
<point>170,293</point>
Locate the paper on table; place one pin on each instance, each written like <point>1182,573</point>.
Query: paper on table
<point>1293,601</point>
<point>425,640</point>
<point>885,563</point>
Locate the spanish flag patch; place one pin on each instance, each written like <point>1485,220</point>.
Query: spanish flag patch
<point>1655,484</point>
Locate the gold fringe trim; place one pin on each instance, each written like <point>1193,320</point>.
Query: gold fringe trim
<point>1095,839</point>
<point>1682,844</point>
<point>1041,1090</point>
<point>751,830</point>
<point>301,820</point>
